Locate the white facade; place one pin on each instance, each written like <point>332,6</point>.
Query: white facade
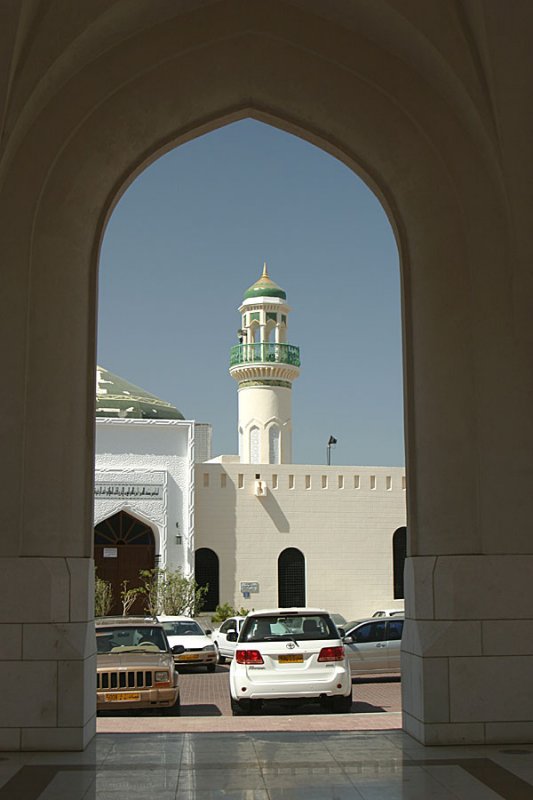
<point>146,467</point>
<point>342,519</point>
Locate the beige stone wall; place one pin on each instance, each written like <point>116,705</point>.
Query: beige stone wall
<point>341,518</point>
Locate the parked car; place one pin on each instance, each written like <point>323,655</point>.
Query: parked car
<point>289,654</point>
<point>389,612</point>
<point>226,649</point>
<point>135,665</point>
<point>373,645</point>
<point>198,649</point>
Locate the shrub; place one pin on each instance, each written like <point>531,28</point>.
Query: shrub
<point>225,611</point>
<point>170,592</point>
<point>128,597</point>
<point>103,597</point>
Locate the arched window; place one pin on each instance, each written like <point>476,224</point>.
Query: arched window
<point>399,550</point>
<point>255,332</point>
<point>270,331</point>
<point>206,573</point>
<point>121,529</point>
<point>255,449</point>
<point>291,578</point>
<point>273,444</point>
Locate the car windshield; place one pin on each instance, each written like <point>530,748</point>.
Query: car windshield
<point>182,628</point>
<point>285,627</point>
<point>130,637</point>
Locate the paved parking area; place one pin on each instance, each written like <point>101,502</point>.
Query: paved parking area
<point>205,707</point>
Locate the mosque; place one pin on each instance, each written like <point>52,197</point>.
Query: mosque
<point>255,528</point>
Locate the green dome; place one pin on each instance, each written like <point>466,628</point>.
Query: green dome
<point>115,397</point>
<point>265,287</point>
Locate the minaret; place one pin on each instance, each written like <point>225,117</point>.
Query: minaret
<point>265,365</point>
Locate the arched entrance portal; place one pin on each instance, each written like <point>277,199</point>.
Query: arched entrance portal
<point>206,573</point>
<point>123,546</point>
<point>422,110</point>
<point>291,578</point>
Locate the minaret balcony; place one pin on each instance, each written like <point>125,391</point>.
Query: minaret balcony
<point>264,353</point>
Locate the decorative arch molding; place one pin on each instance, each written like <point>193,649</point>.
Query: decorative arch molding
<point>82,134</point>
<point>421,120</point>
<point>274,443</point>
<point>254,444</point>
<point>116,508</point>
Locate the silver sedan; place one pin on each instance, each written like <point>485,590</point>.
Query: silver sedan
<point>373,645</point>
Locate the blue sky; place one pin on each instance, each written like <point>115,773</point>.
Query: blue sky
<point>190,235</point>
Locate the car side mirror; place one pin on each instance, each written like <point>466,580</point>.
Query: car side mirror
<point>348,639</point>
<point>208,632</point>
<point>178,649</point>
<point>232,636</point>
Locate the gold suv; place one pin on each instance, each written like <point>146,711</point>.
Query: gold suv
<point>135,665</point>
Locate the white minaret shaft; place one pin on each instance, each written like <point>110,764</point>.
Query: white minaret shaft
<point>265,365</point>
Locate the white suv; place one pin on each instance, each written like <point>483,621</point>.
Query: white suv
<point>289,654</point>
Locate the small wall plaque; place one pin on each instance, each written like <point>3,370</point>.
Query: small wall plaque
<point>250,587</point>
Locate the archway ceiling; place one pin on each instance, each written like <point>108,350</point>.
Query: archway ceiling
<point>42,45</point>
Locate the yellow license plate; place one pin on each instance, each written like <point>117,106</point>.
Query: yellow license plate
<point>294,658</point>
<point>189,657</point>
<point>119,697</point>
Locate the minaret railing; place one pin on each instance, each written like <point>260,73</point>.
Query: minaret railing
<point>266,353</point>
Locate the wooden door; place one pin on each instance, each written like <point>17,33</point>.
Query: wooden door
<point>123,546</point>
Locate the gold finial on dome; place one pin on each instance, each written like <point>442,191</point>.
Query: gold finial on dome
<point>265,287</point>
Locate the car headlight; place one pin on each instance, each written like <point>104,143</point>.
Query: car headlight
<point>210,648</point>
<point>161,677</point>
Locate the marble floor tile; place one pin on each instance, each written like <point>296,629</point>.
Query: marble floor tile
<point>371,765</point>
<point>223,794</point>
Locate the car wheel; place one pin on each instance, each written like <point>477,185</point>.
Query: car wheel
<point>342,705</point>
<point>211,667</point>
<point>172,711</point>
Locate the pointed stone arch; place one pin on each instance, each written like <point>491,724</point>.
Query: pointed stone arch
<point>379,93</point>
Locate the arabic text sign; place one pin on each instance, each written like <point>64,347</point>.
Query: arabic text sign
<point>139,491</point>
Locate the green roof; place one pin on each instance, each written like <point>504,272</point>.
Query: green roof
<point>116,397</point>
<point>265,287</point>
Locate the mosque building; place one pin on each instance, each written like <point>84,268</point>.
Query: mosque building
<point>255,528</point>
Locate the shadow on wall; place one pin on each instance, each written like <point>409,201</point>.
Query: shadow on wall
<point>272,508</point>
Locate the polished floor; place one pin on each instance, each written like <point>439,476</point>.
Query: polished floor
<point>371,765</point>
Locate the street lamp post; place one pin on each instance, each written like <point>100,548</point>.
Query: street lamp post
<point>331,442</point>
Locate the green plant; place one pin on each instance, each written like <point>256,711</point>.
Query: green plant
<point>128,597</point>
<point>170,592</point>
<point>103,596</point>
<point>151,589</point>
<point>225,611</point>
